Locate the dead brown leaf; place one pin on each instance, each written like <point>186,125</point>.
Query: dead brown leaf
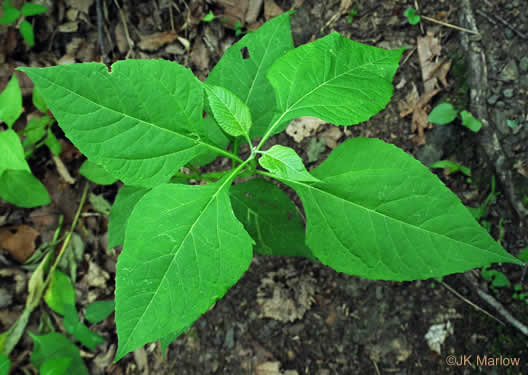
<point>303,127</point>
<point>434,67</point>
<point>200,55</point>
<point>331,136</point>
<point>271,9</point>
<point>155,41</point>
<point>19,241</point>
<point>234,11</point>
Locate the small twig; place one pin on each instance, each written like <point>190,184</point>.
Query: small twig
<point>498,18</point>
<point>449,25</point>
<point>100,36</point>
<point>62,170</point>
<point>476,307</point>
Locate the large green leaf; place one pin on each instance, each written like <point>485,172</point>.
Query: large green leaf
<point>96,173</point>
<point>184,248</point>
<point>270,217</point>
<point>246,78</point>
<point>5,364</point>
<point>380,214</point>
<point>11,102</point>
<point>23,189</point>
<point>123,205</point>
<point>54,345</point>
<point>231,113</point>
<point>335,79</point>
<point>142,121</point>
<point>284,162</point>
<point>12,152</point>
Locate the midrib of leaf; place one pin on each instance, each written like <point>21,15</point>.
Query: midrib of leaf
<point>181,135</point>
<point>175,253</point>
<point>259,66</point>
<point>386,217</point>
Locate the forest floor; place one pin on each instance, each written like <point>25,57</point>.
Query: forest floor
<point>339,324</point>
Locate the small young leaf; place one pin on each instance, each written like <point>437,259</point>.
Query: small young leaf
<point>74,327</point>
<point>209,17</point>
<point>26,29</point>
<point>32,9</point>
<point>442,114</point>
<point>34,131</point>
<point>11,102</point>
<point>246,78</point>
<point>98,311</point>
<point>381,214</point>
<point>96,173</point>
<point>60,292</point>
<point>123,205</point>
<point>184,248</point>
<point>100,204</point>
<point>412,16</point>
<point>231,113</point>
<point>53,143</point>
<point>335,79</point>
<point>470,122</point>
<point>54,345</point>
<point>23,189</point>
<point>270,218</point>
<point>5,364</point>
<point>38,101</point>
<point>55,366</point>
<point>451,166</point>
<point>11,152</point>
<point>284,162</point>
<point>142,140</point>
<point>11,13</point>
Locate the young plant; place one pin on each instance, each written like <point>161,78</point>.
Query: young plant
<point>371,209</point>
<point>412,16</point>
<point>12,15</point>
<point>17,183</point>
<point>445,113</point>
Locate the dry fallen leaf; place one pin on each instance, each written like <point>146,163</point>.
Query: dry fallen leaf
<point>434,67</point>
<point>331,136</point>
<point>271,9</point>
<point>234,11</point>
<point>303,127</point>
<point>153,42</point>
<point>19,241</point>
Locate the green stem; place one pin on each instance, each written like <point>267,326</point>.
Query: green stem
<point>223,152</point>
<point>270,131</point>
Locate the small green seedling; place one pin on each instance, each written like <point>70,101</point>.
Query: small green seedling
<point>351,14</point>
<point>412,16</point>
<point>12,15</point>
<point>209,17</point>
<point>17,184</point>
<point>238,28</point>
<point>496,278</point>
<point>451,167</point>
<point>445,113</point>
<point>371,209</point>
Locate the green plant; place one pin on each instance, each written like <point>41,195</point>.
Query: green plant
<point>445,113</point>
<point>12,14</point>
<point>371,209</point>
<point>209,17</point>
<point>412,16</point>
<point>351,14</point>
<point>451,166</point>
<point>17,183</point>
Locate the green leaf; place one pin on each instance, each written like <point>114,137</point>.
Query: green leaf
<point>451,166</point>
<point>26,29</point>
<point>184,248</point>
<point>78,330</point>
<point>284,162</point>
<point>55,366</point>
<point>55,345</point>
<point>270,218</point>
<point>335,79</point>
<point>315,149</point>
<point>53,143</point>
<point>209,17</point>
<point>59,293</point>
<point>380,214</point>
<point>32,9</point>
<point>11,102</point>
<point>96,173</point>
<point>142,139</point>
<point>38,101</point>
<point>411,15</point>
<point>231,113</point>
<point>11,14</point>
<point>23,189</point>
<point>100,204</point>
<point>216,136</point>
<point>442,114</point>
<point>123,205</point>
<point>5,364</point>
<point>523,255</point>
<point>11,152</point>
<point>98,311</point>
<point>470,122</point>
<point>246,78</point>
<point>35,130</point>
